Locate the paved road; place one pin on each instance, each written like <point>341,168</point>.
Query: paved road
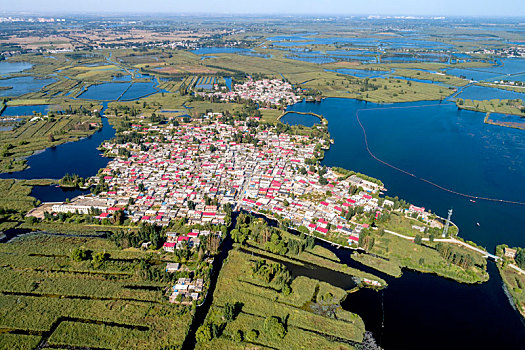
<point>451,240</point>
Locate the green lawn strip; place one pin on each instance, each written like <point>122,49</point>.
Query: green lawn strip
<point>97,335</point>
<point>426,259</point>
<point>389,267</point>
<point>18,341</point>
<point>515,285</point>
<point>260,301</point>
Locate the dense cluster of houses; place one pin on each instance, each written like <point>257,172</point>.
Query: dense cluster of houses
<point>190,171</point>
<point>266,92</point>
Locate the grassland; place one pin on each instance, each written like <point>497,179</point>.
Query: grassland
<point>424,258</point>
<point>304,326</point>
<point>440,78</point>
<point>515,285</point>
<point>514,281</point>
<point>46,296</point>
<point>514,107</point>
<point>390,267</point>
<point>319,256</point>
<point>171,104</point>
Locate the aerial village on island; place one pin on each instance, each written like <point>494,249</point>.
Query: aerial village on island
<point>192,171</point>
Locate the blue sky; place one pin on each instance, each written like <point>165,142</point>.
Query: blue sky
<point>321,7</point>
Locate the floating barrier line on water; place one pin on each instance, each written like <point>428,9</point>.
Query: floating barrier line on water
<point>415,176</point>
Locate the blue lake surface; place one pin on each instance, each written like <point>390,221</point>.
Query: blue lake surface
<point>476,92</point>
<point>478,159</point>
<point>512,69</point>
<point>302,119</point>
<point>7,67</point>
<point>54,193</point>
<point>138,90</point>
<point>228,82</point>
<point>311,58</point>
<point>454,149</point>
<point>80,157</point>
<point>105,91</point>
<point>23,85</point>
<point>13,111</point>
<point>124,78</point>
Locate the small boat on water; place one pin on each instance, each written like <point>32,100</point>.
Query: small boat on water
<point>477,223</point>
<point>473,201</point>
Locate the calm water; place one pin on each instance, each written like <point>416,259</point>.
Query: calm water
<point>303,119</point>
<point>478,159</point>
<point>406,314</point>
<point>311,58</point>
<point>23,85</point>
<point>7,67</point>
<point>489,93</point>
<point>105,91</point>
<point>55,194</point>
<point>13,111</point>
<point>454,149</point>
<point>512,69</point>
<point>81,157</point>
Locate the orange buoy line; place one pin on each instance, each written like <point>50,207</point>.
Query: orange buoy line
<point>413,175</point>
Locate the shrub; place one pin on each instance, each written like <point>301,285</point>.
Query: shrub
<point>274,327</point>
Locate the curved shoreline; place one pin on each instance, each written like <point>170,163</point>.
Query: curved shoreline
<point>322,120</point>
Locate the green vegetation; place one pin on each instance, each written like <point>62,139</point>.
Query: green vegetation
<point>514,107</point>
<point>87,293</point>
<point>390,267</point>
<point>309,314</point>
<point>513,279</point>
<point>437,77</point>
<point>30,136</point>
<point>257,237</point>
<point>443,259</point>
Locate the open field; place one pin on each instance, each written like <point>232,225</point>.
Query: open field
<point>514,107</point>
<point>303,324</point>
<point>515,285</point>
<point>426,258</point>
<point>441,78</point>
<point>48,297</point>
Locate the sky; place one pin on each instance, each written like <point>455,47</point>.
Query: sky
<point>312,7</point>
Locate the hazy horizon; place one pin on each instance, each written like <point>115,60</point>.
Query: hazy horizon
<point>449,8</point>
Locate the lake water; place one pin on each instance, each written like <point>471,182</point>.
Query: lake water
<point>442,144</point>
<point>228,82</point>
<point>488,93</point>
<point>138,90</point>
<point>512,69</point>
<point>303,119</point>
<point>14,111</point>
<point>56,194</point>
<point>7,67</point>
<point>105,91</point>
<point>311,58</point>
<point>455,149</point>
<point>23,85</point>
<point>81,157</point>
